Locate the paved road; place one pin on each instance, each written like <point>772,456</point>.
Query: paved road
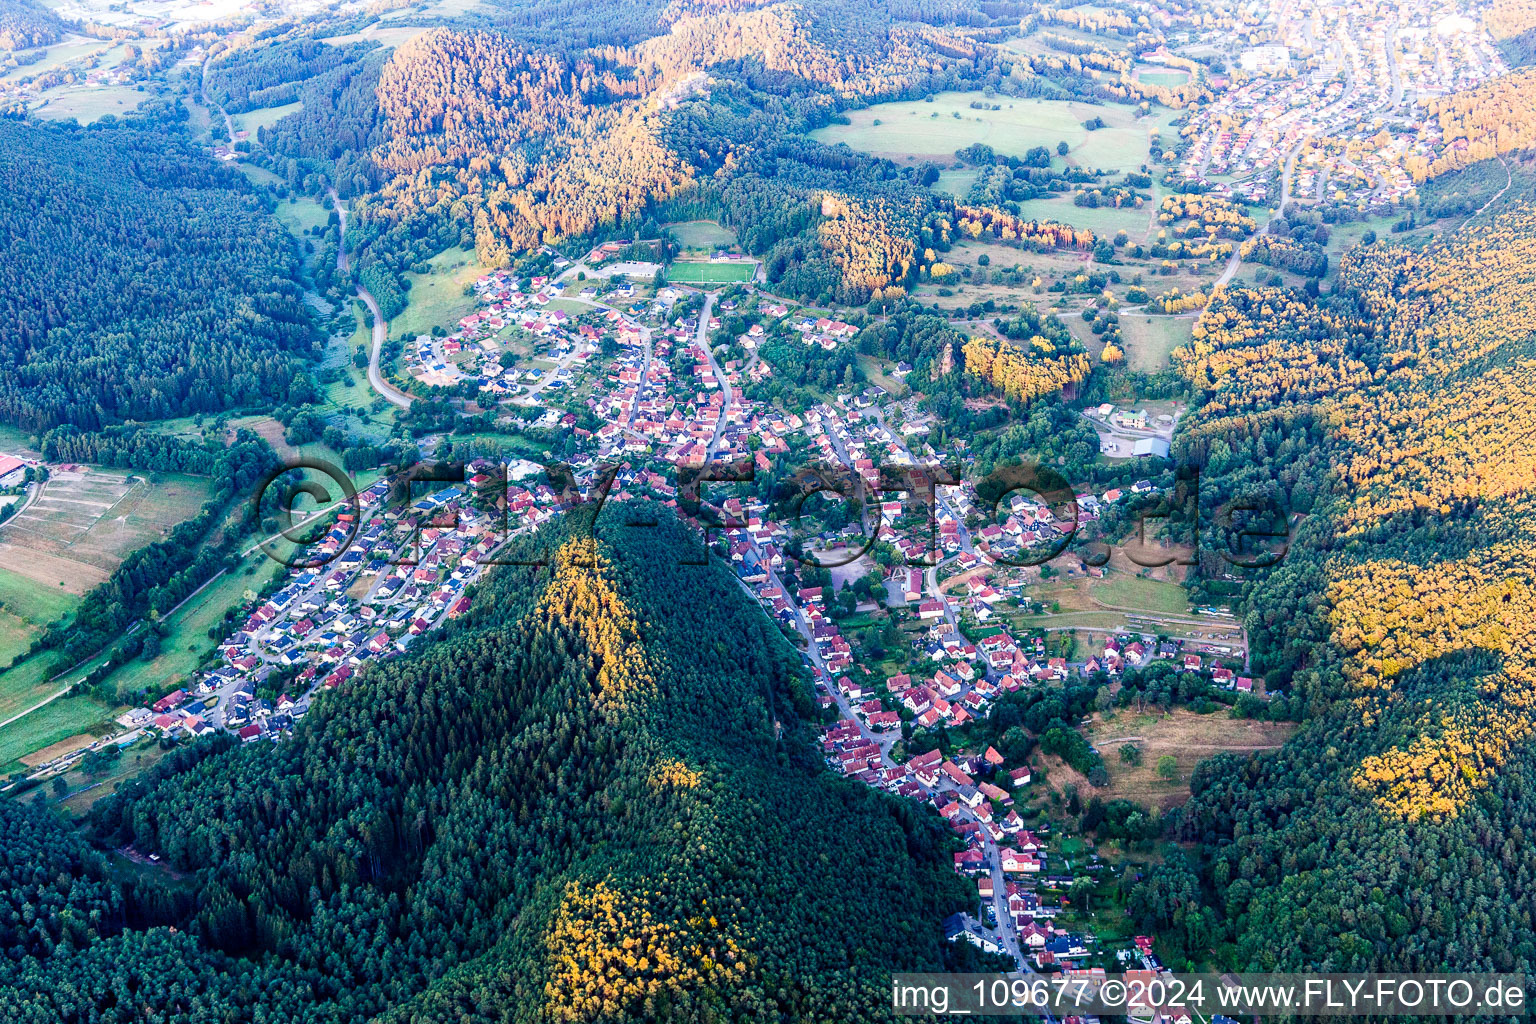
<point>380,328</point>
<point>645,376</point>
<point>229,122</point>
<point>885,741</point>
<point>702,340</point>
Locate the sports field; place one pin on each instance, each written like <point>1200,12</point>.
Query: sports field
<point>917,130</point>
<point>710,273</point>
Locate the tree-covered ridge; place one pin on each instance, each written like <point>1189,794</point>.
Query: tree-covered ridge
<point>524,141</point>
<point>852,49</point>
<point>26,23</point>
<point>1495,118</point>
<point>589,800</point>
<point>140,281</point>
<point>1398,414</point>
<point>505,140</point>
<point>267,75</point>
<point>1512,23</point>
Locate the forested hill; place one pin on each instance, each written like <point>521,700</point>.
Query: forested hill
<point>1392,832</point>
<point>575,806</point>
<point>139,279</point>
<point>25,24</point>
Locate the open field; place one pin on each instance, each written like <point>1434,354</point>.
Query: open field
<point>90,103</point>
<point>956,183</point>
<point>437,297</point>
<point>710,273</point>
<point>88,519</point>
<point>385,36</point>
<point>59,749</point>
<point>1189,738</point>
<point>26,685</point>
<point>1149,340</point>
<point>264,117</point>
<point>1125,602</point>
<point>877,372</point>
<point>702,235</point>
<point>26,608</point>
<point>1168,77</point>
<point>257,175</point>
<point>916,130</point>
<point>1116,591</point>
<point>58,54</point>
<point>1101,220</point>
<point>303,214</point>
<point>65,717</point>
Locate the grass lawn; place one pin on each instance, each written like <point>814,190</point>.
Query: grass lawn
<point>90,103</point>
<point>1187,737</point>
<point>573,306</point>
<point>264,117</point>
<point>875,370</point>
<point>1149,340</point>
<point>702,235</point>
<point>710,273</point>
<point>917,130</point>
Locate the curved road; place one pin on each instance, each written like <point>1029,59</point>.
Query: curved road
<point>701,339</point>
<point>380,328</point>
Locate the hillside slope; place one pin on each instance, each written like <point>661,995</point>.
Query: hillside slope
<point>1399,414</point>
<point>572,807</point>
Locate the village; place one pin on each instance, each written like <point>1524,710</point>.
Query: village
<point>663,377</point>
<point>1325,111</point>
